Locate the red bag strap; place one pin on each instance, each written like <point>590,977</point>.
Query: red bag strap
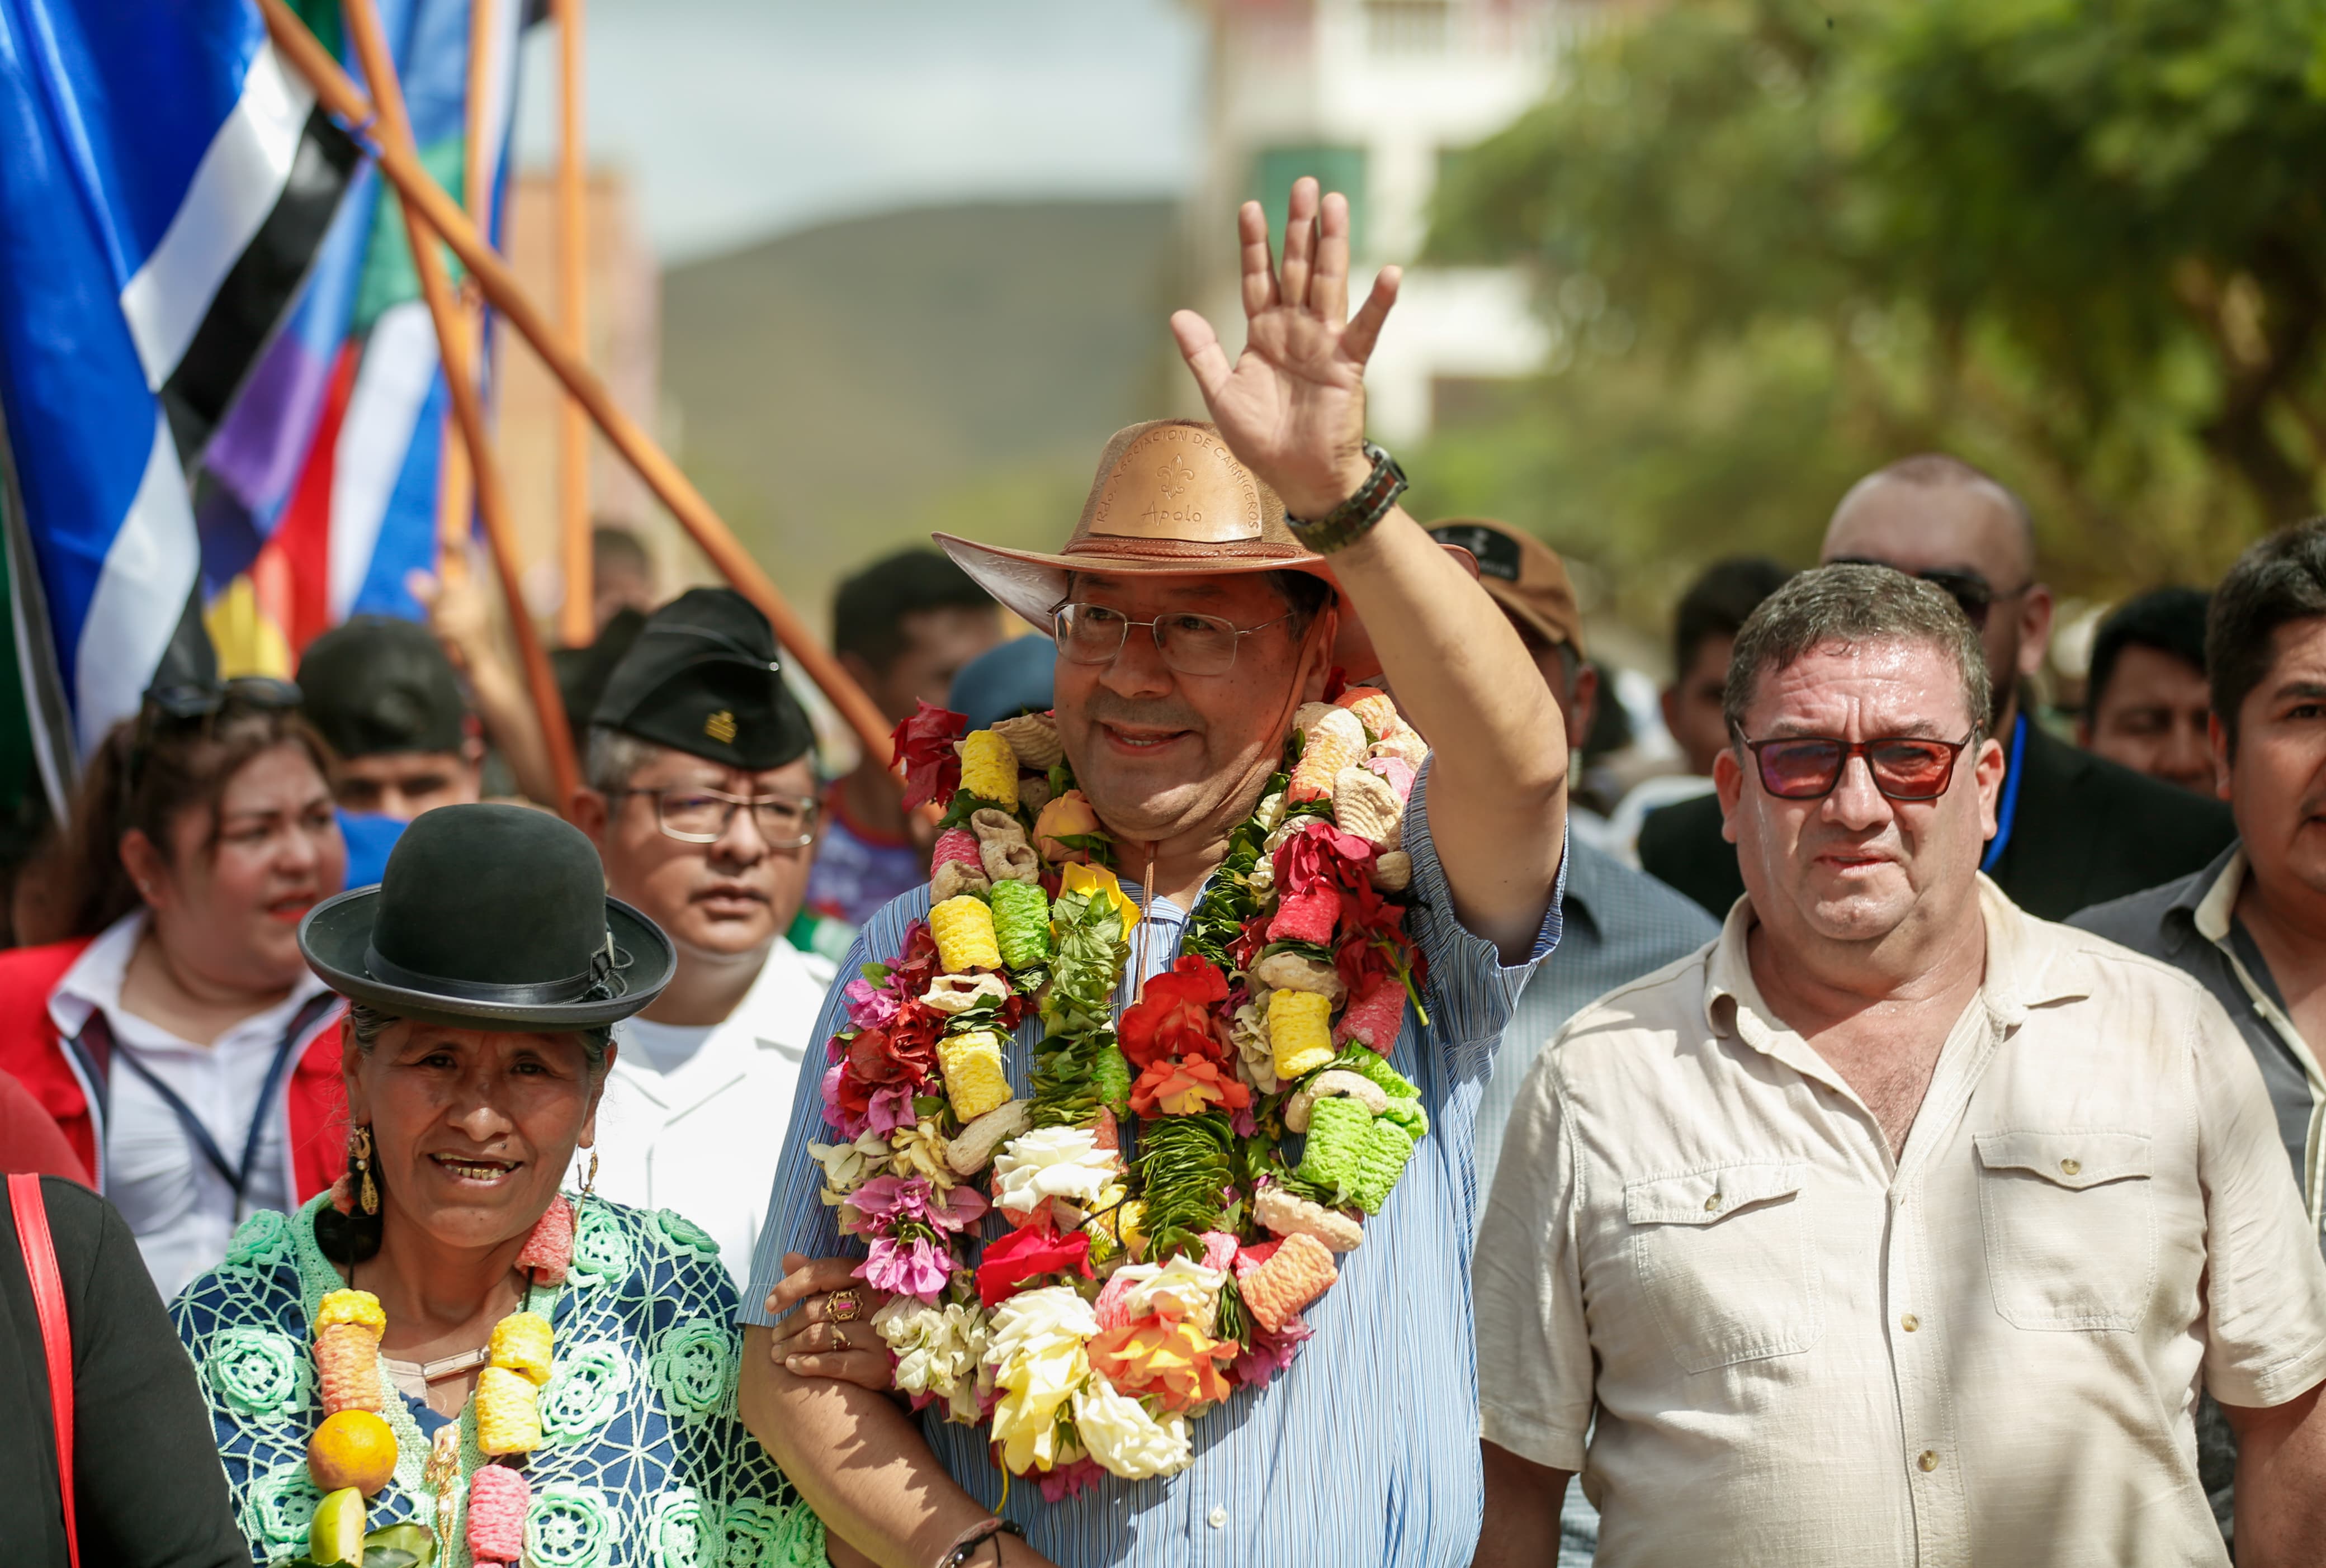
<point>31,1210</point>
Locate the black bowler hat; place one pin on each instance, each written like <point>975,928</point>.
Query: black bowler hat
<point>489,917</point>
<point>702,678</point>
<point>377,684</point>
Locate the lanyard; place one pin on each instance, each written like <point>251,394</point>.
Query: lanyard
<point>237,1177</point>
<point>2006,810</point>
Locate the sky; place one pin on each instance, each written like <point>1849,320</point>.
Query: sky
<point>740,119</point>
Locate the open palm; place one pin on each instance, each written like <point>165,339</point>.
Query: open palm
<point>1292,406</point>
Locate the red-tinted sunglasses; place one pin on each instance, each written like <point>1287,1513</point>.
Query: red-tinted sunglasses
<point>1808,767</point>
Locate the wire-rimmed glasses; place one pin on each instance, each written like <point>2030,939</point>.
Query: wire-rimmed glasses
<point>1187,642</point>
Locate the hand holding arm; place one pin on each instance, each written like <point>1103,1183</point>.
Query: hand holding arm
<point>856,1457</point>
<point>1292,408</point>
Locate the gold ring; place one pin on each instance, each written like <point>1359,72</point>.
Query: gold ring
<point>840,1335</point>
<point>843,1305</point>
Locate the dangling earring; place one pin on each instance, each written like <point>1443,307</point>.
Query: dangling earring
<point>590,1181</point>
<point>359,1150</point>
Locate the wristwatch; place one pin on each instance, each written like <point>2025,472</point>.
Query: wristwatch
<point>1355,518</point>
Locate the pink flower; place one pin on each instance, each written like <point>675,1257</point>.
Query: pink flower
<point>891,1107</point>
<point>870,1006</point>
<point>886,1201</point>
<point>1307,915</point>
<point>1268,1354</point>
<point>916,1267</point>
<point>1065,1480</point>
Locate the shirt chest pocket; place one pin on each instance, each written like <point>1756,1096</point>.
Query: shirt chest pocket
<point>1723,1263</point>
<point>2070,1223</point>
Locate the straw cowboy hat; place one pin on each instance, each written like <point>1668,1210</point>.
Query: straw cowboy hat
<point>1169,499</point>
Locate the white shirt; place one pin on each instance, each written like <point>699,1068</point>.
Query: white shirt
<point>693,1118</point>
<point>181,1208</point>
<point>1984,1350</point>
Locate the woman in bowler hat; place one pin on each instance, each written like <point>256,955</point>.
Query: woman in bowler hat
<point>483,977</point>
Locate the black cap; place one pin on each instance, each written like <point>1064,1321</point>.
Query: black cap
<point>492,917</point>
<point>378,684</point>
<point>702,678</point>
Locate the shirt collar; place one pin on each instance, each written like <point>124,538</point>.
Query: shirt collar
<point>2022,970</point>
<point>1587,870</point>
<point>95,981</point>
<point>2212,902</point>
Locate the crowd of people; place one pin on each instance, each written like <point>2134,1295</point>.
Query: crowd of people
<point>1895,1135</point>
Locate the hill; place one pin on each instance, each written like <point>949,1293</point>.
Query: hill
<point>843,390</point>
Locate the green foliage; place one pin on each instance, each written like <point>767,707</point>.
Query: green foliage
<point>1183,1180</point>
<point>2077,241</point>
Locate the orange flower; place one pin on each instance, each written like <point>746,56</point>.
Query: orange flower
<point>1186,1087</point>
<point>1068,816</point>
<point>1182,1367</point>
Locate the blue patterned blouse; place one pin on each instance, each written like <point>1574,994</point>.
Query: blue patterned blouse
<point>643,1462</point>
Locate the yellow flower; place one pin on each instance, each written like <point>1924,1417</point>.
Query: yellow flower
<point>1036,1351</point>
<point>920,1151</point>
<point>1099,879</point>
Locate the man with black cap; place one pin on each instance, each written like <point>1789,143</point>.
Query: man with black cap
<point>701,800</point>
<point>386,699</point>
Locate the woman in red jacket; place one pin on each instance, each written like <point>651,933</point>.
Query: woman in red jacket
<point>186,1051</point>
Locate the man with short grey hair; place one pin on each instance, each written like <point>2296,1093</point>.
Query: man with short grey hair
<point>701,804</point>
<point>1900,1226</point>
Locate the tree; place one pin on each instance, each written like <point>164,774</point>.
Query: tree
<point>2077,241</point>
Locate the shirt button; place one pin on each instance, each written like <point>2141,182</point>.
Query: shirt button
<point>1712,1204</point>
<point>1929,1459</point>
<point>1218,1517</point>
<point>2070,1167</point>
<point>1910,1322</point>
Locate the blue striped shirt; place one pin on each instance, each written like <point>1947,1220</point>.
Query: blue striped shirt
<point>1366,1451</point>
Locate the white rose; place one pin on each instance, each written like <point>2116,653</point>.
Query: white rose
<point>1052,1162</point>
<point>1189,1290</point>
<point>1124,1439</point>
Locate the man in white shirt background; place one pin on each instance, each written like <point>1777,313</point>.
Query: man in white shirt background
<point>702,803</point>
<point>1898,1226</point>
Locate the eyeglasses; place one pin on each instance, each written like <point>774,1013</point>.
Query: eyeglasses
<point>1809,767</point>
<point>701,816</point>
<point>1191,644</point>
<point>1969,590</point>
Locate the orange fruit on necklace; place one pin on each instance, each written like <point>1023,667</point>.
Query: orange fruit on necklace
<point>354,1448</point>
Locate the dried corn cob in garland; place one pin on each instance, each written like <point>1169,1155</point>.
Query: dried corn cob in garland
<point>1171,1192</point>
<point>348,1326</point>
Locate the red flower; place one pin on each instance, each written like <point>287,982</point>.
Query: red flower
<point>1176,1017</point>
<point>1186,1087</point>
<point>1321,853</point>
<point>1026,1255</point>
<point>924,752</point>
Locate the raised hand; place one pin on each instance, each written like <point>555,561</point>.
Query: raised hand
<point>1292,406</point>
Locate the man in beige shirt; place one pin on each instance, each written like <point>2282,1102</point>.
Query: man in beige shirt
<point>1897,1226</point>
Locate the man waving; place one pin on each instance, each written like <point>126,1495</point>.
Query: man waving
<point>1196,614</point>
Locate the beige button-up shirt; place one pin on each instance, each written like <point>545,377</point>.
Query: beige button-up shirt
<point>1986,1351</point>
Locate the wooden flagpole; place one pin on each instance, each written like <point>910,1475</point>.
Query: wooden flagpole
<point>452,342</point>
<point>576,624</point>
<point>456,496</point>
<point>402,168</point>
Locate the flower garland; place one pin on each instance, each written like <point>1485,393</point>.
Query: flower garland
<point>1178,1184</point>
<point>353,1454</point>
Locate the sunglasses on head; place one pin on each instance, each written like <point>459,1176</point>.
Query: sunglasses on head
<point>183,700</point>
<point>1809,767</point>
<point>1970,592</point>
